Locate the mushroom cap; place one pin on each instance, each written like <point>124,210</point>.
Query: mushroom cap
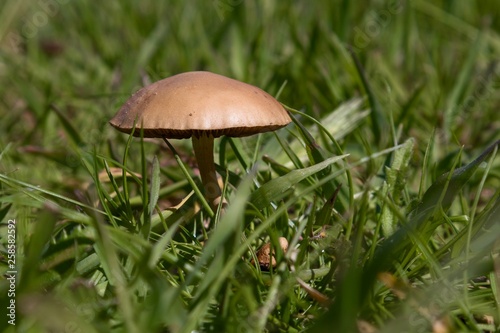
<point>197,103</point>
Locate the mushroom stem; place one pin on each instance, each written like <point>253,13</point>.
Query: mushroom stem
<point>204,152</point>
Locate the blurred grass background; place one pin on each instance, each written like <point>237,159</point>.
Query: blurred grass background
<point>374,73</point>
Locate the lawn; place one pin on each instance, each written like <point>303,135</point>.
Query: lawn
<point>385,185</point>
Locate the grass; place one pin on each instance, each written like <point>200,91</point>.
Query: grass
<point>385,184</point>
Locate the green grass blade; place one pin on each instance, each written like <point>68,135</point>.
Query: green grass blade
<point>217,249</point>
<point>451,183</point>
<point>195,188</point>
<point>317,155</point>
<point>490,232</point>
<point>155,186</point>
<point>4,211</point>
<point>275,189</point>
<point>396,176</point>
<point>377,117</point>
<point>454,103</point>
<point>20,184</point>
<point>69,128</point>
<point>36,246</point>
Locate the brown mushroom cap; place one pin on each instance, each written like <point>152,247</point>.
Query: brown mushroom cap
<point>193,103</point>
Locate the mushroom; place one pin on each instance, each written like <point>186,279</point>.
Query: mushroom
<point>204,106</point>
